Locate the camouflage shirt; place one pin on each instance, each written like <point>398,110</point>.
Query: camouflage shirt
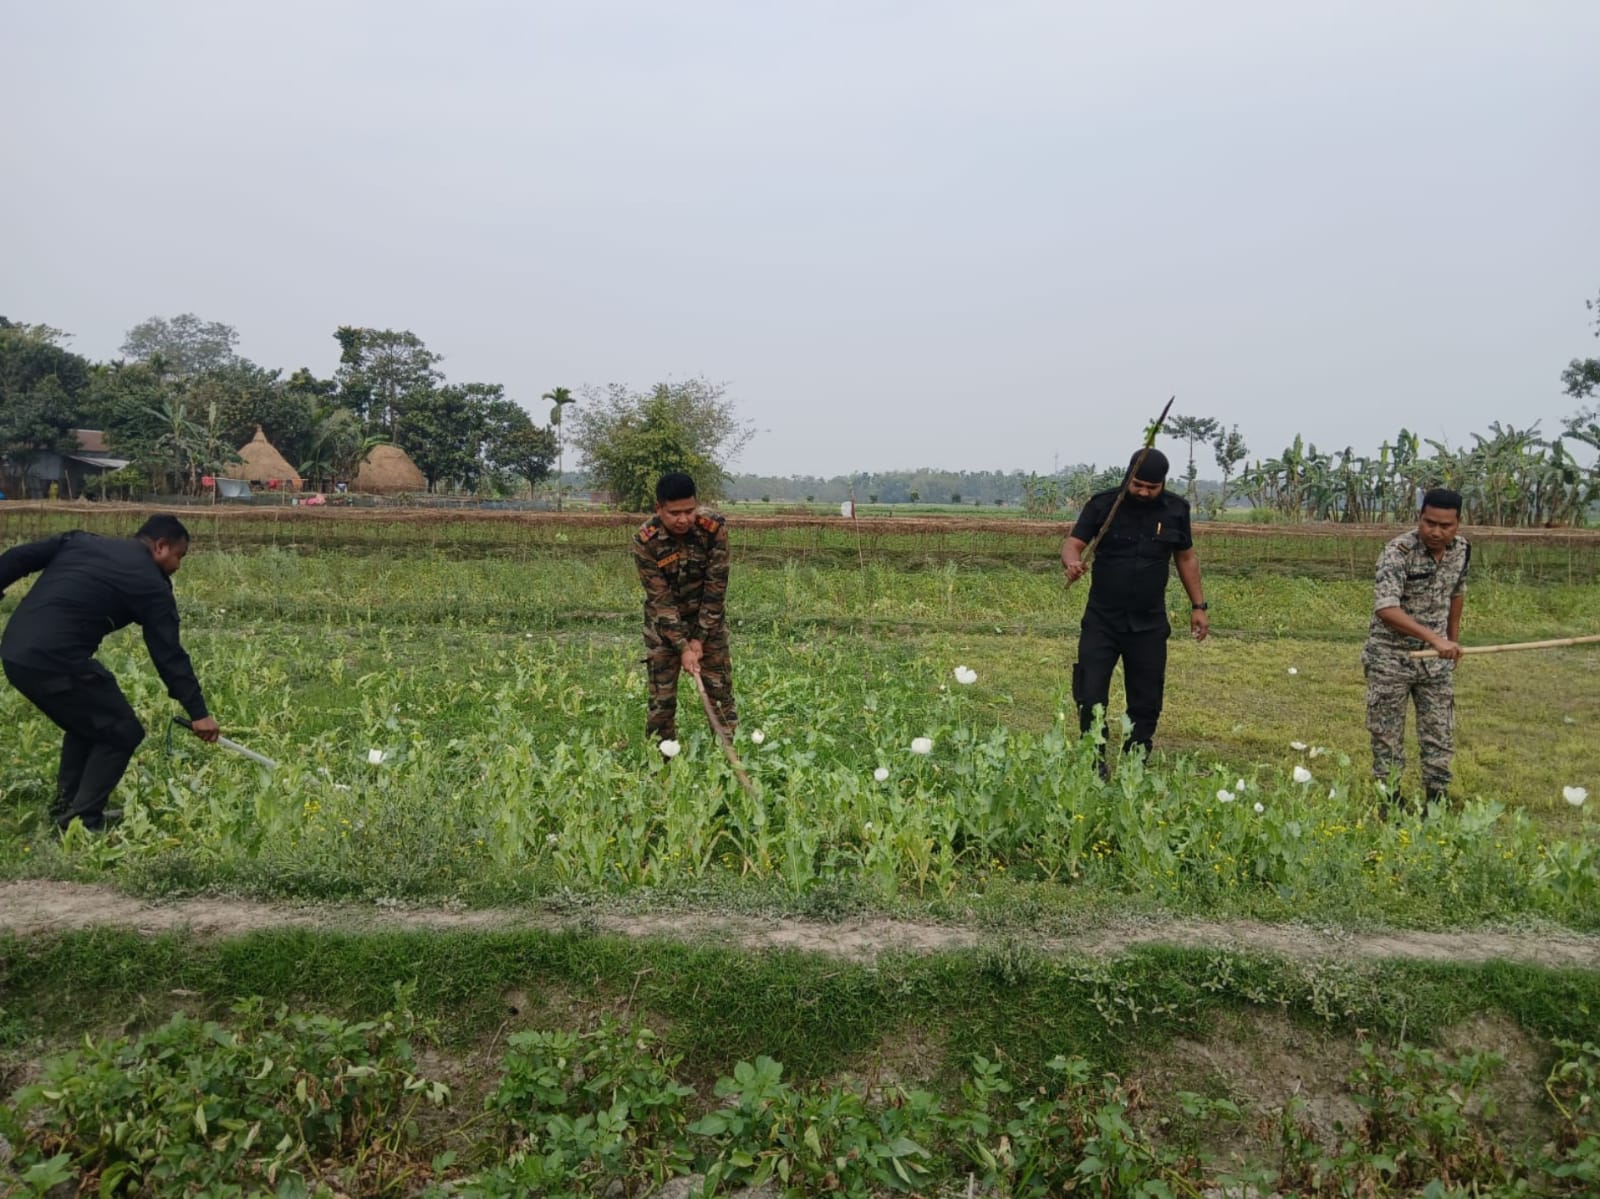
<point>1410,579</point>
<point>685,579</point>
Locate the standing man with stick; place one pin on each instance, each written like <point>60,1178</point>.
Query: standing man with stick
<point>682,556</point>
<point>91,586</point>
<point>1140,528</point>
<point>1421,587</point>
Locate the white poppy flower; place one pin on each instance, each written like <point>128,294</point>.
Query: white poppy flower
<point>757,737</point>
<point>1292,670</point>
<point>966,677</point>
<point>881,774</point>
<point>1224,796</point>
<point>670,749</point>
<point>1316,751</point>
<point>1333,793</point>
<point>1260,808</point>
<point>1239,786</point>
<point>1298,746</point>
<point>1302,775</point>
<point>551,839</point>
<point>922,745</point>
<point>867,827</point>
<point>1574,795</point>
<point>377,757</point>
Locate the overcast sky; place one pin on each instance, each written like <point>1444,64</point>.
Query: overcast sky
<point>970,235</point>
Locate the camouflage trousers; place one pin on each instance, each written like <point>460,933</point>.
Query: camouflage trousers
<point>1393,682</point>
<point>663,664</point>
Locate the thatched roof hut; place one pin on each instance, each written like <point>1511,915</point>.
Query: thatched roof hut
<point>262,463</point>
<point>386,470</point>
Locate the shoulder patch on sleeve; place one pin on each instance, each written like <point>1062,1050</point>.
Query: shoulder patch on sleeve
<point>646,531</point>
<point>709,521</point>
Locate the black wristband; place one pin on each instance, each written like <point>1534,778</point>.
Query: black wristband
<point>1200,607</point>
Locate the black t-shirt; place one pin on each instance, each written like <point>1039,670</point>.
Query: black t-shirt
<point>91,586</point>
<point>1132,564</point>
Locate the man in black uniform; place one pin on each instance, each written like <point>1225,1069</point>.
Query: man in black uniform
<point>92,586</point>
<point>1126,616</point>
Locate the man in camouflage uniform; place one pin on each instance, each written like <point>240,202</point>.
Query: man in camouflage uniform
<point>682,556</point>
<point>1421,586</point>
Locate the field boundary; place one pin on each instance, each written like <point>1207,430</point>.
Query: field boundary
<point>40,908</point>
<point>868,525</point>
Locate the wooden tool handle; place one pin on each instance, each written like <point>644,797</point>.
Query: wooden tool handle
<point>1558,643</point>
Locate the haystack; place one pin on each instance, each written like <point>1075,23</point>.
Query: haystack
<point>262,463</point>
<point>387,470</point>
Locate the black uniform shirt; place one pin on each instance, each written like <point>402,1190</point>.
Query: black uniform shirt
<point>92,586</point>
<point>1132,564</point>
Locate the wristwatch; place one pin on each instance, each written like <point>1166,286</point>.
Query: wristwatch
<point>1201,607</point>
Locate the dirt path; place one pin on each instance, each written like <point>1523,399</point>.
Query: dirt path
<point>32,908</point>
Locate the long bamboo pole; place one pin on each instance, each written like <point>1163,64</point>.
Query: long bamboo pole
<point>1558,643</point>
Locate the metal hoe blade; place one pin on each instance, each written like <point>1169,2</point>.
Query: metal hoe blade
<point>235,747</point>
<point>230,745</point>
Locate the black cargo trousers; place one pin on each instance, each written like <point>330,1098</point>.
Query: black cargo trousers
<point>101,731</point>
<point>1141,643</point>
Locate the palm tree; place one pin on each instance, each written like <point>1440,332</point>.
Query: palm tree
<point>560,397</point>
<point>337,446</point>
<point>180,442</point>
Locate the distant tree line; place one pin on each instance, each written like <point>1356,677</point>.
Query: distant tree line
<point>925,486</point>
<point>180,401</point>
<point>1506,476</point>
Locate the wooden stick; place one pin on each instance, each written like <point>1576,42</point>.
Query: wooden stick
<point>1559,643</point>
<point>724,740</point>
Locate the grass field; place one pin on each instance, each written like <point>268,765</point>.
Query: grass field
<point>493,667</point>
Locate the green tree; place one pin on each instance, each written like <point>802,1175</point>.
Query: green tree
<point>1230,451</point>
<point>442,430</point>
<point>1194,430</point>
<point>559,398</point>
<point>40,422</point>
<point>383,373</point>
<point>129,401</point>
<point>184,345</point>
<point>626,436</point>
<point>42,390</point>
<point>642,446</point>
<point>337,446</point>
<point>1582,377</point>
<point>247,395</point>
<point>513,444</point>
<point>30,354</point>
